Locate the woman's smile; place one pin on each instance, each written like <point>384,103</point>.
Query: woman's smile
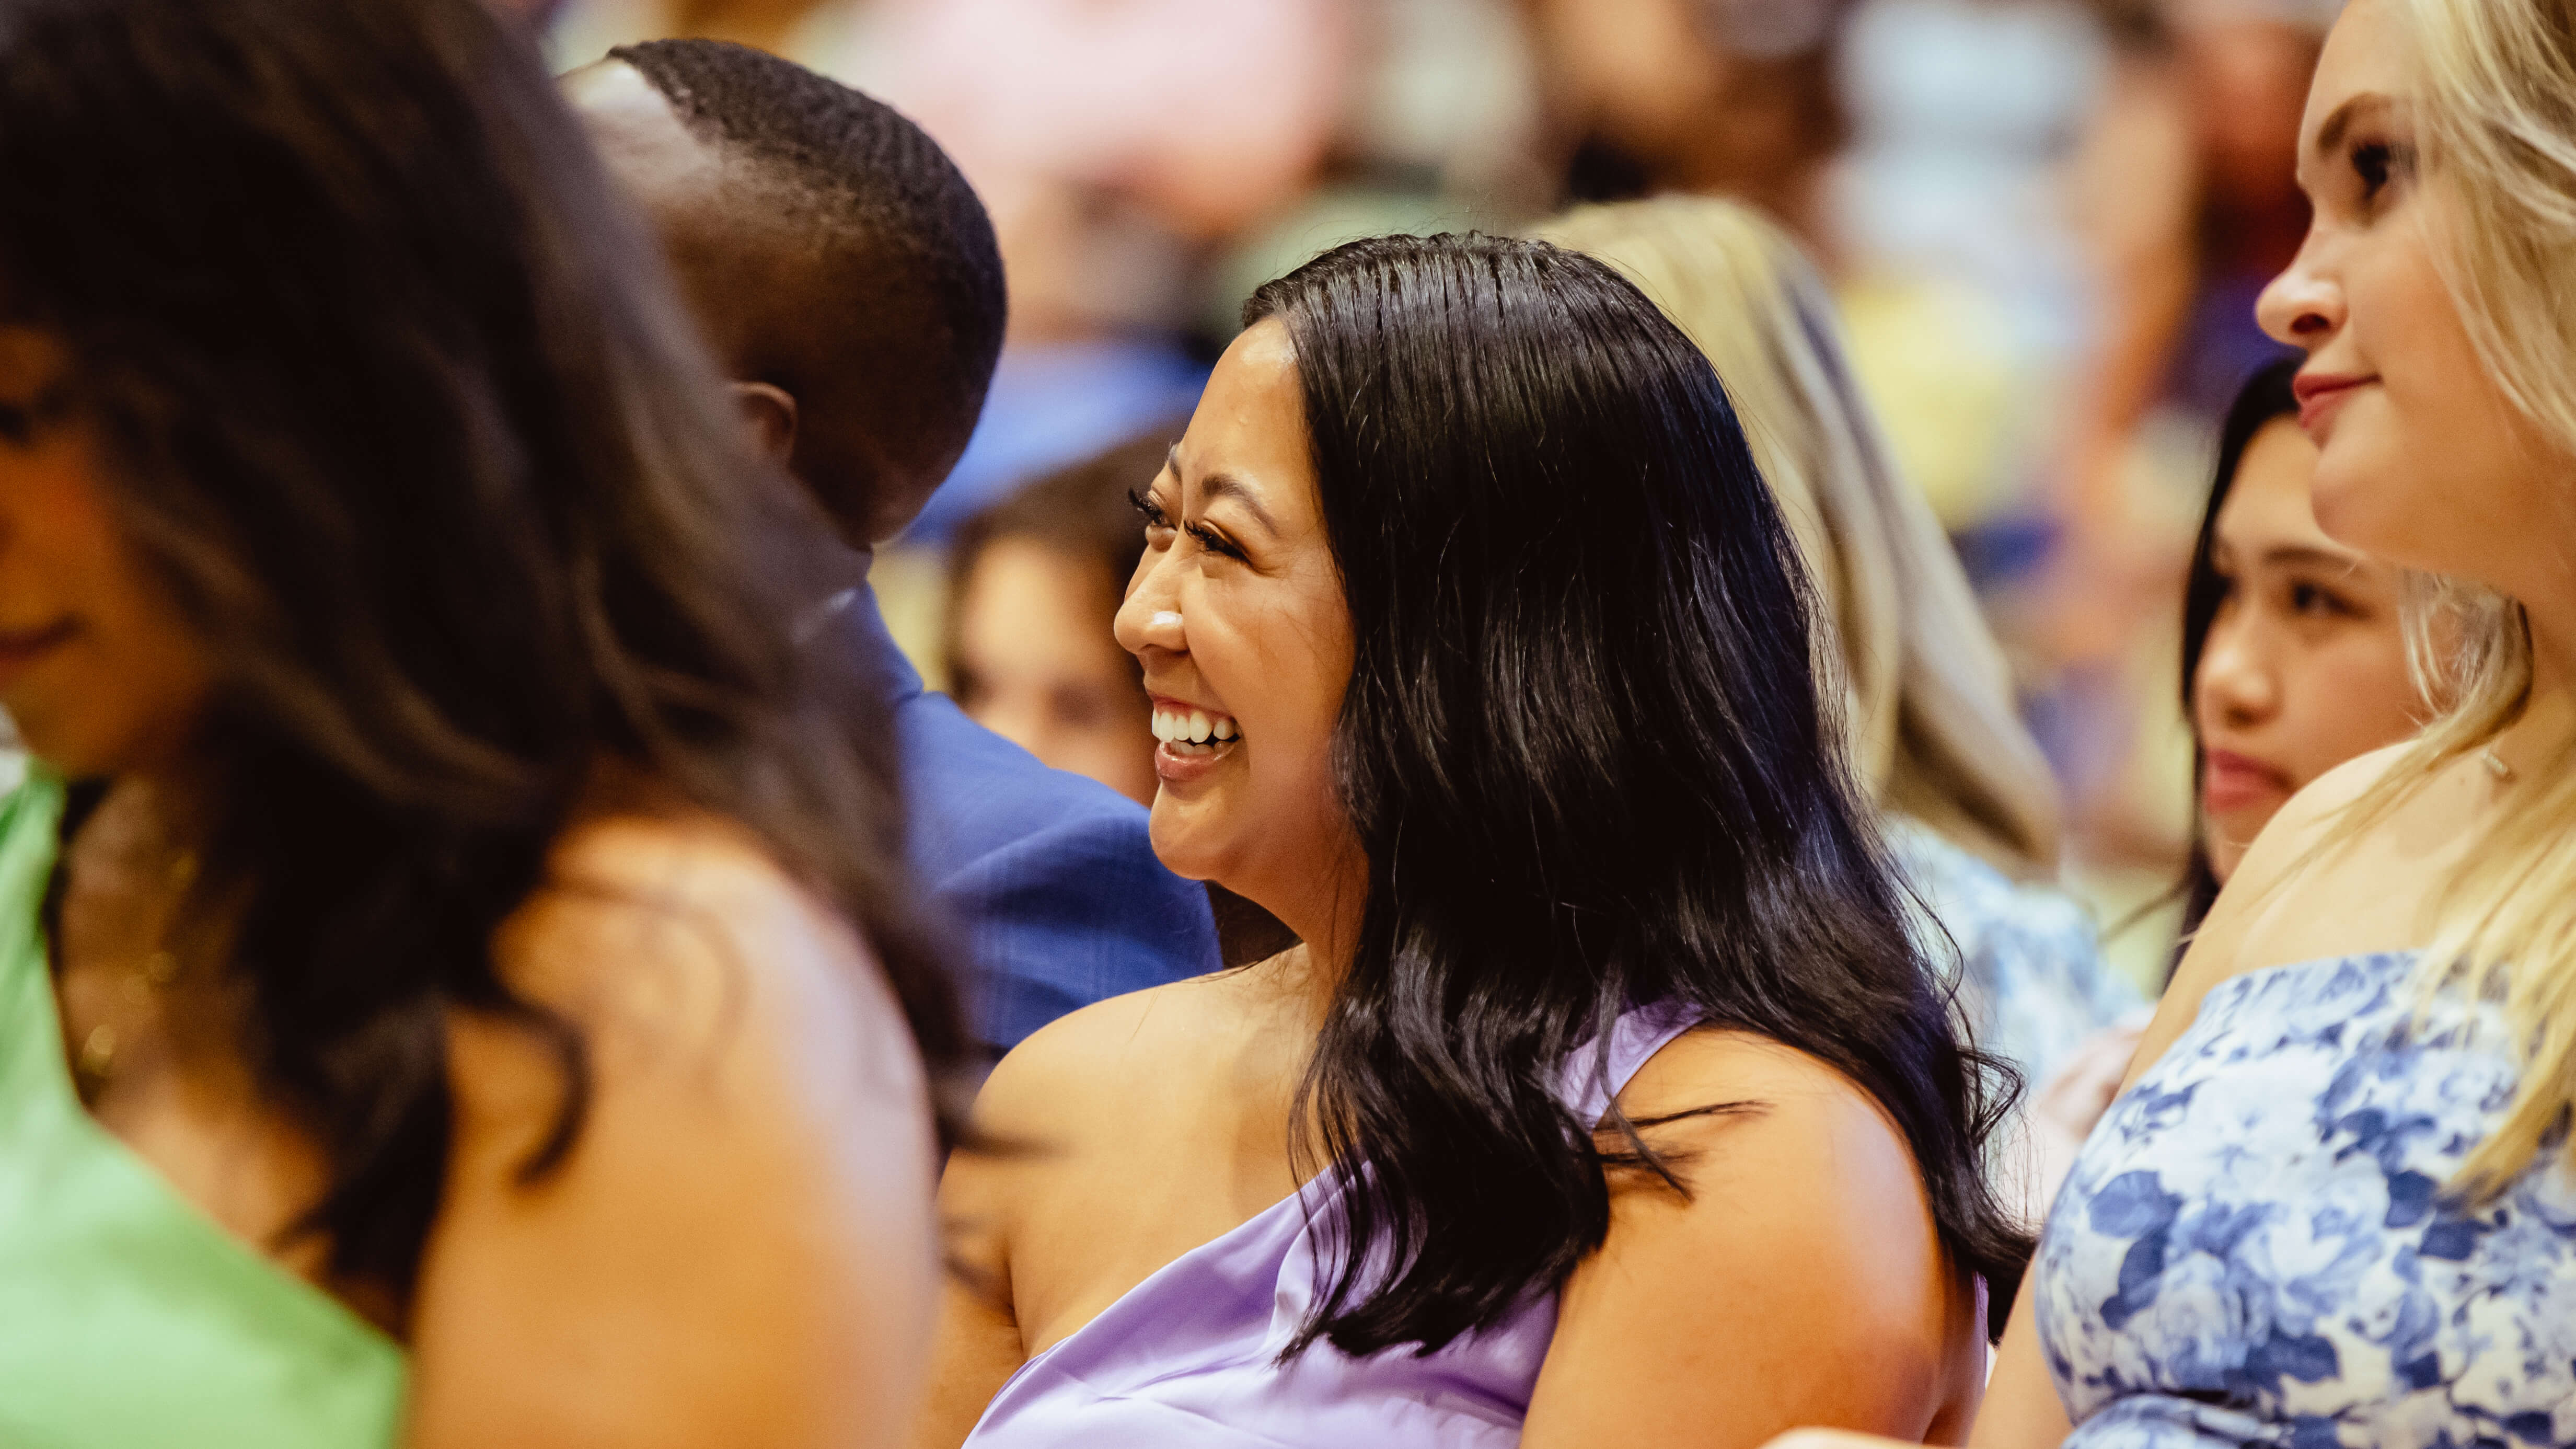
<point>1194,739</point>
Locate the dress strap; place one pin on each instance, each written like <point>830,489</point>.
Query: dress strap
<point>1641,1031</point>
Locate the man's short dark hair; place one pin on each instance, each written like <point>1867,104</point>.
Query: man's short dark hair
<point>888,288</point>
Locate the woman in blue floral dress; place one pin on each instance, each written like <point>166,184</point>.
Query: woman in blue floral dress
<point>2334,1206</point>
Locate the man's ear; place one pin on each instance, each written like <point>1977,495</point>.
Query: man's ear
<point>769,418</point>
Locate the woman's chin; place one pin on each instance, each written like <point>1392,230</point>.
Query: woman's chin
<point>1187,842</point>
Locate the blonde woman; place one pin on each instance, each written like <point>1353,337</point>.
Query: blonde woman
<point>2334,1204</point>
<point>1972,811</point>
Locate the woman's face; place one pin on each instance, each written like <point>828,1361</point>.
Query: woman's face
<point>1236,611</point>
<point>2422,460</point>
<point>2304,666</point>
<point>97,669</point>
<point>1036,667</point>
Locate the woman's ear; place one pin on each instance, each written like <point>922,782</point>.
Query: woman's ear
<point>769,418</point>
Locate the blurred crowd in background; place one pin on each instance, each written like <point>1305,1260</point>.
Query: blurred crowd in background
<point>2046,221</point>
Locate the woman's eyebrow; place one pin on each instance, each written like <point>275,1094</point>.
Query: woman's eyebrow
<point>1226,485</point>
<point>2330,134</point>
<point>2288,554</point>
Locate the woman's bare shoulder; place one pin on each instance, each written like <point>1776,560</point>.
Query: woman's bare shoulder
<point>1109,1058</point>
<point>2312,885</point>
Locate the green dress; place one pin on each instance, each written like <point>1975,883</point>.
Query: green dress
<point>128,1319</point>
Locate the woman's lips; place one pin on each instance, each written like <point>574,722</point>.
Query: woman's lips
<point>2321,396</point>
<point>1194,739</point>
<point>1173,768</point>
<point>2230,782</point>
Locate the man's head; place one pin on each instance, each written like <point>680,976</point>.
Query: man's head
<point>843,270</point>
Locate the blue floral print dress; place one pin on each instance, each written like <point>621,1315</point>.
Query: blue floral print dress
<point>2256,1247</point>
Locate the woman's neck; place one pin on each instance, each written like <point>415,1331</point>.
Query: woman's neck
<point>1326,916</point>
<point>2547,722</point>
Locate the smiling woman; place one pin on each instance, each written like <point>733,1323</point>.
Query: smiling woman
<point>1605,1099</point>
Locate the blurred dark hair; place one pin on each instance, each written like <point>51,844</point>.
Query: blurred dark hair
<point>883,312</point>
<point>2264,398</point>
<point>1585,750</point>
<point>399,406</point>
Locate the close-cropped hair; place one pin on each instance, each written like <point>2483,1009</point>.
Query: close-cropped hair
<point>1584,751</point>
<point>880,260</point>
<point>1928,698</point>
<point>2496,125</point>
<point>397,405</point>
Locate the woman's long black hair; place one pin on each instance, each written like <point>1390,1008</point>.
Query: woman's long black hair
<point>400,408</point>
<point>1585,750</point>
<point>2264,399</point>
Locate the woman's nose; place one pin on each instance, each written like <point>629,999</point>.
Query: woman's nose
<point>1149,617</point>
<point>2236,685</point>
<point>2303,306</point>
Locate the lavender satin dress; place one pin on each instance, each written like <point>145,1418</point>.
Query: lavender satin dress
<point>1189,1356</point>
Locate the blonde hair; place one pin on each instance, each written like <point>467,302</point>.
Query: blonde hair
<point>1929,701</point>
<point>2496,124</point>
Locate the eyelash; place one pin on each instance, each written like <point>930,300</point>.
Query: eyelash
<point>1147,509</point>
<point>2304,595</point>
<point>2377,163</point>
<point>1155,517</point>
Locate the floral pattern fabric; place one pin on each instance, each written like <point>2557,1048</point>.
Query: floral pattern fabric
<point>2257,1245</point>
<point>2033,984</point>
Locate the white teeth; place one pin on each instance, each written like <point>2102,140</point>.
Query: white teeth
<point>1194,731</point>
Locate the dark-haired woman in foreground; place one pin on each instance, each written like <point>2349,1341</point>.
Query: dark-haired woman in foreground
<point>1605,1102</point>
<point>462,995</point>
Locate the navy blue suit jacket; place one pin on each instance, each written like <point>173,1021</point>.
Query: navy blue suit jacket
<point>1047,877</point>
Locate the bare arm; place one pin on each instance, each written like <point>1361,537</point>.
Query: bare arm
<point>1801,1282</point>
<point>738,1249</point>
<point>2022,1410</point>
<point>977,1346</point>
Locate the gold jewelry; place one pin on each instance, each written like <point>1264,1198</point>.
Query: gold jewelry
<point>95,1064</point>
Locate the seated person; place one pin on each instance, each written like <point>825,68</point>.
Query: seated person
<point>459,983</point>
<point>1606,1099</point>
<point>2293,662</point>
<point>846,277</point>
<point>2293,653</point>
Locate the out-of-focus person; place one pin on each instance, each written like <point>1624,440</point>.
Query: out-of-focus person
<point>849,281</point>
<point>1034,584</point>
<point>2293,655</point>
<point>457,944</point>
<point>2294,661</point>
<point>1673,95</point>
<point>1927,699</point>
<point>2184,197</point>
